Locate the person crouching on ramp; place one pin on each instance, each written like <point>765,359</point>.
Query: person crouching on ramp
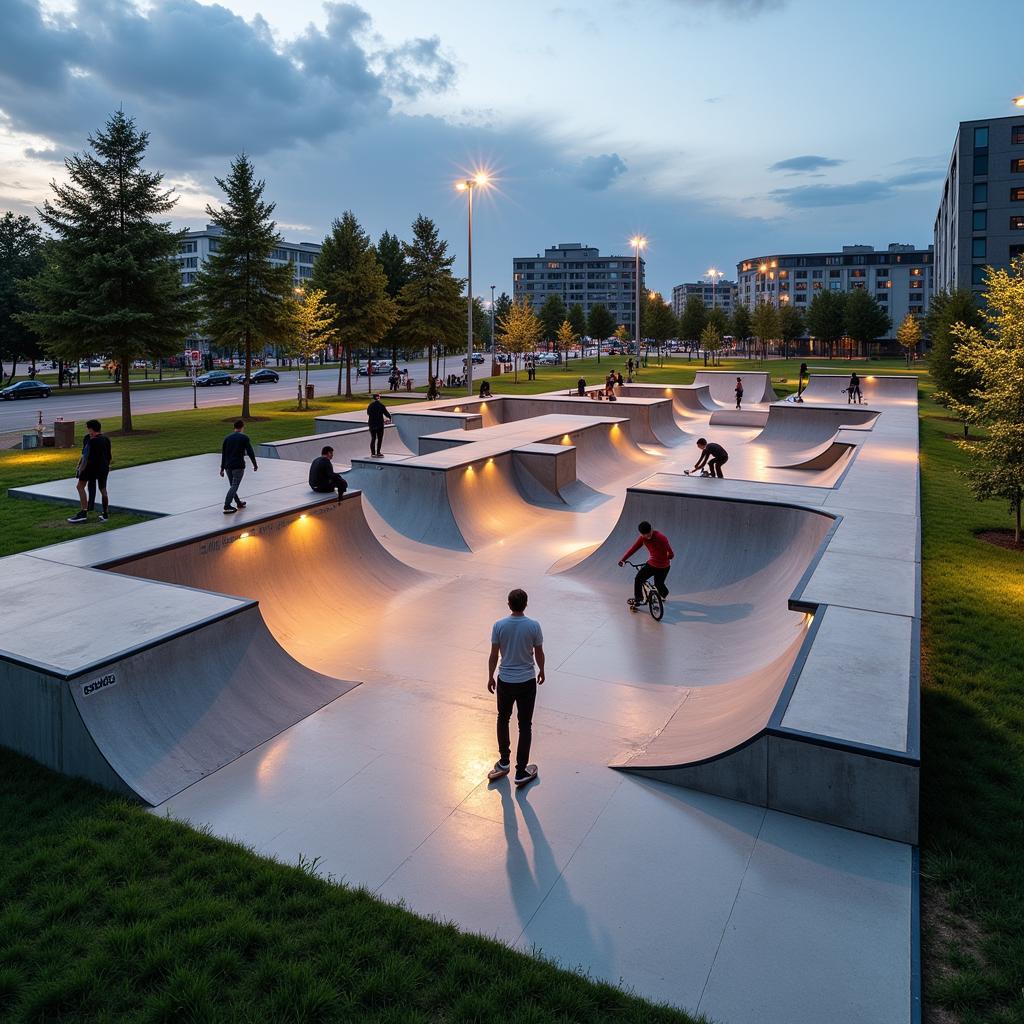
<point>712,455</point>
<point>660,555</point>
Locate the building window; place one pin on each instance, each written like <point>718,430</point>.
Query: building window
<point>920,284</point>
<point>1017,195</point>
<point>978,274</point>
<point>307,257</point>
<point>881,273</point>
<point>981,192</point>
<point>801,275</point>
<point>835,286</point>
<point>981,138</point>
<point>816,285</point>
<point>981,163</point>
<point>882,296</point>
<point>979,220</point>
<point>1015,251</point>
<point>1017,166</point>
<point>856,273</point>
<point>915,309</point>
<point>1017,223</point>
<point>189,263</point>
<point>1017,135</point>
<point>187,247</point>
<point>817,274</point>
<point>977,252</point>
<point>834,273</point>
<point>214,245</point>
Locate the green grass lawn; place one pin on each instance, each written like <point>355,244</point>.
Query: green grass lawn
<point>109,914</point>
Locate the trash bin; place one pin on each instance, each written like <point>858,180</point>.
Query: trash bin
<point>310,390</point>
<point>64,434</point>
<point>29,441</point>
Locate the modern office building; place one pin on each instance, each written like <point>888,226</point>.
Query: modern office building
<point>721,295</point>
<point>899,276</point>
<point>196,247</point>
<point>980,221</point>
<point>578,274</point>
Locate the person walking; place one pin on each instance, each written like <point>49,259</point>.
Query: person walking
<point>660,555</point>
<point>801,382</point>
<point>739,392</point>
<point>93,467</point>
<point>376,414</point>
<point>322,477</point>
<point>233,452</point>
<point>853,391</point>
<point>519,642</point>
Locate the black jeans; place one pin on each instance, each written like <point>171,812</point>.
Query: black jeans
<point>522,696</point>
<point>715,466</point>
<point>646,573</point>
<point>739,399</point>
<point>338,483</point>
<point>376,439</point>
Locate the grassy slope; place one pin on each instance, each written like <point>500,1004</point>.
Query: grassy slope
<point>82,871</point>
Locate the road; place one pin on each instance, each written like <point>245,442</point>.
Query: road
<point>83,405</point>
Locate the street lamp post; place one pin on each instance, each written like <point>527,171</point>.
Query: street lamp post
<point>638,242</point>
<point>480,180</point>
<point>492,324</point>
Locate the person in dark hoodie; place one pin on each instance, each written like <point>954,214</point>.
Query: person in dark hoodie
<point>233,451</point>
<point>322,477</point>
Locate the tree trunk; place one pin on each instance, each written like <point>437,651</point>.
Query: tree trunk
<point>341,368</point>
<point>348,371</point>
<point>126,396</point>
<point>1016,529</point>
<point>245,378</point>
<point>14,368</point>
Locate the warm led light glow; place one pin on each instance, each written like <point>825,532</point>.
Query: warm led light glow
<point>566,439</point>
<point>461,186</point>
<point>242,536</point>
<point>303,516</point>
<point>762,268</point>
<point>638,241</point>
<point>490,462</point>
<point>457,409</point>
<point>481,178</point>
<point>1018,101</point>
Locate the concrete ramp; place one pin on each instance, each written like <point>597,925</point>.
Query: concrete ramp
<point>757,387</point>
<point>737,563</point>
<point>348,444</point>
<point>825,456</point>
<point>688,400</point>
<point>802,426</point>
<point>828,387</point>
<point>176,683</point>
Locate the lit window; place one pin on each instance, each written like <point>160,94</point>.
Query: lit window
<point>1017,135</point>
<point>1017,223</point>
<point>1017,195</point>
<point>1017,166</point>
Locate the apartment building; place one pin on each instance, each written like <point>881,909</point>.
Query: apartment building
<point>721,295</point>
<point>196,247</point>
<point>980,220</point>
<point>579,274</point>
<point>900,277</point>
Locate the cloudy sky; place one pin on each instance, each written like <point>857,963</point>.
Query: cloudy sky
<point>720,129</point>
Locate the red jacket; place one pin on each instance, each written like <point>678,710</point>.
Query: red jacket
<point>657,546</point>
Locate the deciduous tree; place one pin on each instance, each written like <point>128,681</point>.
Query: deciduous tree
<point>765,325</point>
<point>953,383</point>
<point>864,319</point>
<point>659,321</point>
<point>995,358</point>
<point>693,318</point>
<point>825,319</point>
<point>908,334</point>
<point>109,285</point>
<point>578,319</point>
<point>566,339</point>
<point>791,326</point>
<point>552,313</point>
<point>600,325</point>
<point>710,341</point>
<point>313,329</point>
<point>741,324</point>
<point>519,331</point>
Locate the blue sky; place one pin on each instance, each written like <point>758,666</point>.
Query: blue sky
<point>720,129</point>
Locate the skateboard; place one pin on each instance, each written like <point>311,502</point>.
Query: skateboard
<point>532,770</point>
<point>691,472</point>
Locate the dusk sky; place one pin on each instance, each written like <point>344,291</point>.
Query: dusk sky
<point>720,129</point>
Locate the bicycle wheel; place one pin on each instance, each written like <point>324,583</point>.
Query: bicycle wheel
<point>655,604</point>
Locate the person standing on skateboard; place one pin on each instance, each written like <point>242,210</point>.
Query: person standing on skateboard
<point>739,392</point>
<point>658,563</point>
<point>519,642</point>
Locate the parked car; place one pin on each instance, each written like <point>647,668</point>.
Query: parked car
<point>381,368</point>
<point>478,357</point>
<point>548,359</point>
<point>213,377</point>
<point>263,376</point>
<point>25,389</point>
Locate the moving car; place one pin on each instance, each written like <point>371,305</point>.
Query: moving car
<point>213,377</point>
<point>263,376</point>
<point>25,389</point>
<point>381,368</point>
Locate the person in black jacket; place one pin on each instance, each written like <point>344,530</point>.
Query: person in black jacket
<point>233,451</point>
<point>713,455</point>
<point>93,467</point>
<point>322,477</point>
<point>376,414</point>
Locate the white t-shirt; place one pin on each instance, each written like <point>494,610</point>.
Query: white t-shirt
<point>516,637</point>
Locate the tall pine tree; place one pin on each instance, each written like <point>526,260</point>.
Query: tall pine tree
<point>392,259</point>
<point>245,297</point>
<point>21,258</point>
<point>109,286</point>
<point>349,271</point>
<point>431,304</point>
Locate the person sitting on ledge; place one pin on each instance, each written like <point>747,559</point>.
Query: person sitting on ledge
<point>485,389</point>
<point>581,387</point>
<point>322,477</point>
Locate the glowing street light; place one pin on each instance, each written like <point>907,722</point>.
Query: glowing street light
<point>1018,101</point>
<point>479,180</point>
<point>638,242</point>
<point>714,273</point>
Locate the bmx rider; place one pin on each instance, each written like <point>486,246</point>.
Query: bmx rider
<point>660,555</point>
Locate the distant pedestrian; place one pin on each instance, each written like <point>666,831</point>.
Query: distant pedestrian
<point>581,387</point>
<point>233,452</point>
<point>629,366</point>
<point>376,414</point>
<point>853,391</point>
<point>93,467</point>
<point>618,379</point>
<point>739,392</point>
<point>801,382</point>
<point>322,477</point>
<point>520,642</point>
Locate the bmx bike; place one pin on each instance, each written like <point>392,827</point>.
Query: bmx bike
<point>653,600</point>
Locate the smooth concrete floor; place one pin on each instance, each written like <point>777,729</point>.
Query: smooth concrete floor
<point>719,907</point>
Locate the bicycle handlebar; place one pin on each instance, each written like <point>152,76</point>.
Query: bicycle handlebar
<point>633,564</point>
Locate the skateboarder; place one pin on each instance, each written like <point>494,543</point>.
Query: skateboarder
<point>853,391</point>
<point>801,382</point>
<point>93,467</point>
<point>660,555</point>
<point>322,477</point>
<point>520,643</point>
<point>233,451</point>
<point>739,392</point>
<point>712,455</point>
<point>377,413</point>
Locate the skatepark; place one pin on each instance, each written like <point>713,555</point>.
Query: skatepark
<point>726,814</point>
